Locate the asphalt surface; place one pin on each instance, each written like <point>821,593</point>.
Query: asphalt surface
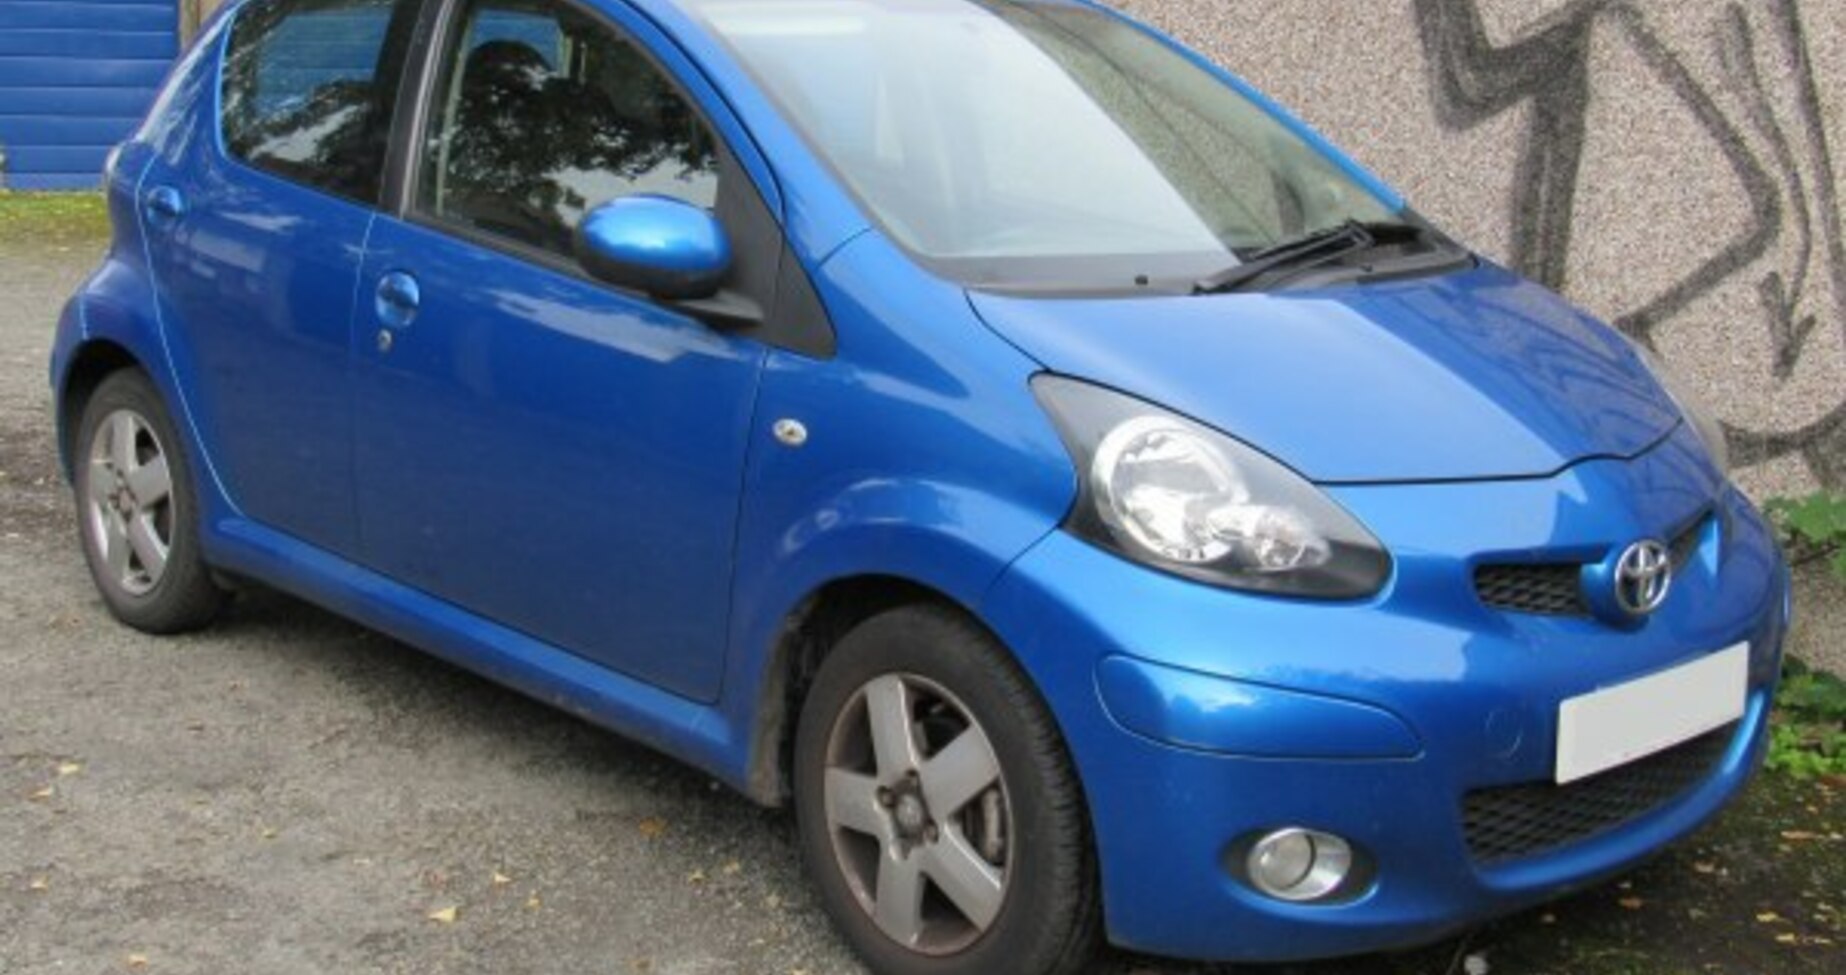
<point>288,792</point>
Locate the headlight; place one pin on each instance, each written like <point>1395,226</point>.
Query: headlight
<point>1178,496</point>
<point>1691,406</point>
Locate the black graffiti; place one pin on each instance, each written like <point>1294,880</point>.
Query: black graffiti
<point>1549,71</point>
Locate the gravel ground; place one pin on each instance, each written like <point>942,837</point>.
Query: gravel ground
<point>288,793</point>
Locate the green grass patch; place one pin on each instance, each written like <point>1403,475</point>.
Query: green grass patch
<point>55,219</point>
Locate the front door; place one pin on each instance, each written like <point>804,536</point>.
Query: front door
<point>537,448</point>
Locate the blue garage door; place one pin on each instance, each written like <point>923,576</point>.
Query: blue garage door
<point>75,78</point>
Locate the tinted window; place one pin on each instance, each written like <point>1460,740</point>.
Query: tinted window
<point>309,87</point>
<point>547,114</point>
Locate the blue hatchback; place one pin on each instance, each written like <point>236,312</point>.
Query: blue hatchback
<point>1095,504</point>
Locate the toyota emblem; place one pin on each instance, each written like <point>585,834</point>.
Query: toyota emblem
<point>1642,577</point>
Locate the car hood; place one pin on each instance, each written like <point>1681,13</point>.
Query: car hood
<point>1473,375</point>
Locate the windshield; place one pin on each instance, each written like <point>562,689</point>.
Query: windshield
<point>1036,142</point>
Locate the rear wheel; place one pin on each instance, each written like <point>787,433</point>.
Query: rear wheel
<point>137,510</point>
<point>938,812</point>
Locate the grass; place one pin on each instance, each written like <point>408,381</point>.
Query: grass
<point>52,219</point>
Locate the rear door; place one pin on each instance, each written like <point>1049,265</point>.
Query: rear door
<point>255,224</point>
<point>538,448</point>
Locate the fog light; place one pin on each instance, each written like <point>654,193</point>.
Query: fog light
<point>1299,864</point>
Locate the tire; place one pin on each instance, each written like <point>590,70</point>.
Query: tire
<point>137,510</point>
<point>969,716</point>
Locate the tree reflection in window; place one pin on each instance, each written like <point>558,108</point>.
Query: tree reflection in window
<point>547,115</point>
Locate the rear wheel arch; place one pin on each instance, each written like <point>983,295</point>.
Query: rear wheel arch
<point>93,363</point>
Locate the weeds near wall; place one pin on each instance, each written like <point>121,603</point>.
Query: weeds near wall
<point>1808,738</point>
<point>1813,528</point>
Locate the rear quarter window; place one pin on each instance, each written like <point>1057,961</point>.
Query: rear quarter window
<point>309,89</point>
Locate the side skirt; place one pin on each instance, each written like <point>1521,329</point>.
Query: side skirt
<point>694,733</point>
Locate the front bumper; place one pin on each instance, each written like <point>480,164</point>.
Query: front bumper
<point>1197,717</point>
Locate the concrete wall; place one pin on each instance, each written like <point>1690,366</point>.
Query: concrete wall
<point>1670,164</point>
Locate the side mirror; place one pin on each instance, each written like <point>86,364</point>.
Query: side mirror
<point>666,248</point>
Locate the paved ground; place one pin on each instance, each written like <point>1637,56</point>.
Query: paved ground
<point>290,794</point>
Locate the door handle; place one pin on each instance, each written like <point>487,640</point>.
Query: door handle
<point>165,205</point>
<point>398,300</point>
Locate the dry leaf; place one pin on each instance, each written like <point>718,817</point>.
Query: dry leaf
<point>1787,939</point>
<point>1799,835</point>
<point>269,832</point>
<point>732,868</point>
<point>501,880</point>
<point>533,903</point>
<point>1703,867</point>
<point>44,794</point>
<point>696,877</point>
<point>136,961</point>
<point>70,768</point>
<point>445,916</point>
<point>1768,917</point>
<point>1631,903</point>
<point>39,883</point>
<point>652,827</point>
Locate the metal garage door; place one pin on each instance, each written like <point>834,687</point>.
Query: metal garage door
<point>75,77</point>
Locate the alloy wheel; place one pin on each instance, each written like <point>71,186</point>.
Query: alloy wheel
<point>918,812</point>
<point>130,502</point>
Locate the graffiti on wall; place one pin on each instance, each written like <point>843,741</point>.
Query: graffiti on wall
<point>1755,103</point>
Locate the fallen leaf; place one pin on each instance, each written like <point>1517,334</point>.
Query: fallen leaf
<point>445,916</point>
<point>39,884</point>
<point>136,961</point>
<point>533,903</point>
<point>732,868</point>
<point>1632,903</point>
<point>696,877</point>
<point>652,827</point>
<point>1787,939</point>
<point>269,832</point>
<point>70,768</point>
<point>1703,867</point>
<point>1768,917</point>
<point>1799,836</point>
<point>44,794</point>
<point>501,880</point>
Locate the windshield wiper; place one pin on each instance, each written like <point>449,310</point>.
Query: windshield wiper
<point>1300,254</point>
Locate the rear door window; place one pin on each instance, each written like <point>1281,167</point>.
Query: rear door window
<point>310,86</point>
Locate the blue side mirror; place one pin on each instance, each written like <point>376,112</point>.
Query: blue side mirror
<point>658,245</point>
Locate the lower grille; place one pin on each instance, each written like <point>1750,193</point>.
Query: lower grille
<point>1513,822</point>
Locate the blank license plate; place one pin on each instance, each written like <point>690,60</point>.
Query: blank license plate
<point>1616,725</point>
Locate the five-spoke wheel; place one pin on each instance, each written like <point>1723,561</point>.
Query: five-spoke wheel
<point>136,510</point>
<point>918,813</point>
<point>938,810</point>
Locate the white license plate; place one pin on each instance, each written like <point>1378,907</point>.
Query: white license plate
<point>1616,725</point>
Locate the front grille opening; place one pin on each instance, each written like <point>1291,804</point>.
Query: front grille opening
<point>1509,823</point>
<point>1544,589</point>
<point>1556,588</point>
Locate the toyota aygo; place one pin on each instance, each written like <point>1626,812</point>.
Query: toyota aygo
<point>1097,506</point>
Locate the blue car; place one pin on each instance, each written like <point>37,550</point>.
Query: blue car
<point>1098,507</point>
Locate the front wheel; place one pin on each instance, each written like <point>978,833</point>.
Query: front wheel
<point>137,510</point>
<point>938,812</point>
